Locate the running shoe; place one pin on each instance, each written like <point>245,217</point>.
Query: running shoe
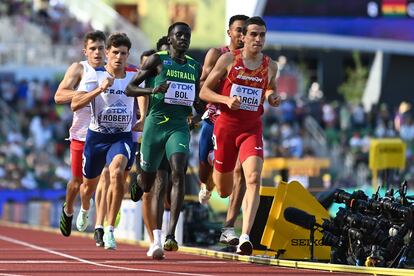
<point>109,240</point>
<point>245,247</point>
<point>228,236</point>
<point>135,191</point>
<point>170,243</point>
<point>204,195</point>
<point>82,220</point>
<point>98,236</point>
<point>156,252</point>
<point>65,222</point>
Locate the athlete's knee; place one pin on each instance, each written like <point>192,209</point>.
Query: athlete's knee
<point>177,176</point>
<point>224,191</point>
<point>117,174</point>
<point>88,188</point>
<point>147,197</point>
<point>147,181</point>
<point>75,182</point>
<point>105,172</point>
<point>253,178</point>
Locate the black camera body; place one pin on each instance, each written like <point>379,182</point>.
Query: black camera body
<point>371,231</point>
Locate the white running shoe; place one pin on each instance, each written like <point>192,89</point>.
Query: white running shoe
<point>109,240</point>
<point>204,195</point>
<point>245,247</point>
<point>228,236</point>
<point>82,220</point>
<point>156,252</point>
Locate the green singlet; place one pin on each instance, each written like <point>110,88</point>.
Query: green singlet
<point>166,128</point>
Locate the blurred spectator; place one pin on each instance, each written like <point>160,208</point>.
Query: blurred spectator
<point>403,109</point>
<point>358,118</point>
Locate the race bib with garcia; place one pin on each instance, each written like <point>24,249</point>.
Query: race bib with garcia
<point>250,96</point>
<point>180,93</point>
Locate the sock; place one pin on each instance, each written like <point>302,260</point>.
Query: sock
<point>167,214</point>
<point>157,236</point>
<point>99,227</point>
<point>244,237</point>
<point>66,213</point>
<point>83,210</point>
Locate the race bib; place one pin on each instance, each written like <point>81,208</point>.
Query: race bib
<point>180,93</point>
<point>115,117</point>
<point>250,96</point>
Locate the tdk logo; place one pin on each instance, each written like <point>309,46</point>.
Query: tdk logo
<point>182,86</point>
<point>247,90</point>
<point>119,110</point>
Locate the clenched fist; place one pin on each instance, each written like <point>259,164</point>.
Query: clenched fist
<point>274,100</point>
<point>234,103</point>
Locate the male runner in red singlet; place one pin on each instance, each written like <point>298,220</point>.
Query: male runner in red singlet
<point>78,77</point>
<point>250,79</point>
<point>228,235</point>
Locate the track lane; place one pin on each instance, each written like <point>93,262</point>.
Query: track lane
<point>33,252</point>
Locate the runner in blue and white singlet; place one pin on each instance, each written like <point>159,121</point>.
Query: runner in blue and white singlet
<point>109,131</point>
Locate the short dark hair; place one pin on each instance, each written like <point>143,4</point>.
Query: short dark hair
<point>162,41</point>
<point>255,20</point>
<point>94,36</point>
<point>118,39</point>
<point>173,25</point>
<point>147,53</point>
<point>236,17</point>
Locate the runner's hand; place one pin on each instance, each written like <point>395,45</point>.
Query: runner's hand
<point>108,82</point>
<point>274,100</point>
<point>162,88</point>
<point>234,103</point>
<point>139,125</point>
<point>194,121</point>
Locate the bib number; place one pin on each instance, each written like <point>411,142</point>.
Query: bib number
<point>250,97</point>
<point>180,93</point>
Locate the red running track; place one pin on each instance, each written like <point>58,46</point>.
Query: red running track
<point>34,252</point>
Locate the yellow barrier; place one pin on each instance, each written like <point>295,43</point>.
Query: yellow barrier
<point>303,166</point>
<point>384,154</point>
<point>283,236</point>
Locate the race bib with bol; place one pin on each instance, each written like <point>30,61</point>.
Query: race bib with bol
<point>180,93</point>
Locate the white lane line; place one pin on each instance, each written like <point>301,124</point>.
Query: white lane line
<point>34,262</point>
<point>111,262</point>
<point>4,274</point>
<point>94,263</point>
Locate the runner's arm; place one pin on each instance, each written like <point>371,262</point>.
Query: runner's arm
<point>219,71</point>
<point>143,109</point>
<point>151,67</point>
<point>198,105</point>
<point>82,98</point>
<point>271,95</point>
<point>209,61</point>
<point>66,89</point>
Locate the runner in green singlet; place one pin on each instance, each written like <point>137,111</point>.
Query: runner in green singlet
<point>175,78</point>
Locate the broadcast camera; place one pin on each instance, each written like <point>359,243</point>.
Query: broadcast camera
<point>374,231</point>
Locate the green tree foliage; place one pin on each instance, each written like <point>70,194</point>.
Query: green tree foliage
<point>353,88</point>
